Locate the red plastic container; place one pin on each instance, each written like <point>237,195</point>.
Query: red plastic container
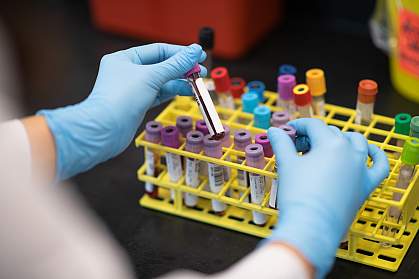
<point>238,24</point>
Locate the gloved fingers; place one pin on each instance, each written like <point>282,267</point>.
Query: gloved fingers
<point>179,64</point>
<point>315,129</point>
<point>335,130</point>
<point>282,145</point>
<point>155,53</point>
<point>172,88</point>
<point>358,141</point>
<point>380,168</point>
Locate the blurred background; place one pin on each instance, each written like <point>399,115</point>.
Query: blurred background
<point>54,48</point>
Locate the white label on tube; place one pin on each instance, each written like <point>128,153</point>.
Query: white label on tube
<point>174,166</point>
<point>226,101</point>
<point>209,105</point>
<point>274,191</point>
<point>318,107</point>
<point>192,172</point>
<point>149,158</point>
<point>257,188</point>
<point>363,113</point>
<point>215,177</point>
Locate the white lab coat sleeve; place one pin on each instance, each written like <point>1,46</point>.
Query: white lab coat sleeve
<point>267,262</point>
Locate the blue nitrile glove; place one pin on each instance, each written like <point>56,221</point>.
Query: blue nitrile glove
<point>129,83</point>
<point>320,192</point>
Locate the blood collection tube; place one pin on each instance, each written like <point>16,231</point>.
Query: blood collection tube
<point>250,101</point>
<point>206,40</point>
<point>222,87</point>
<point>402,126</point>
<point>414,127</point>
<point>255,159</point>
<point>152,157</point>
<point>286,84</point>
<point>213,148</point>
<point>226,142</point>
<point>409,159</point>
<point>184,124</point>
<point>367,91</point>
<point>237,87</point>
<point>258,87</point>
<point>302,99</point>
<point>317,83</point>
<point>205,103</point>
<point>279,118</point>
<point>242,138</point>
<point>263,140</point>
<point>287,69</point>
<point>273,202</point>
<point>201,126</point>
<point>194,143</point>
<point>170,138</point>
<point>262,117</point>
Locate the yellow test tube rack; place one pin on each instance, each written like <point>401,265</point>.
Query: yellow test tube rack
<point>366,233</point>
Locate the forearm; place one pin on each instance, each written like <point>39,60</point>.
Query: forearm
<point>42,146</point>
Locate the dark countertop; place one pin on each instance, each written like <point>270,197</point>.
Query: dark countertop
<point>58,52</point>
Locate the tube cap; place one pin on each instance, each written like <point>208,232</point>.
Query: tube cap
<point>402,123</point>
<point>242,138</point>
<point>302,95</point>
<point>226,140</point>
<point>262,117</point>
<point>237,87</point>
<point>153,131</point>
<point>289,130</point>
<point>254,156</point>
<point>184,124</point>
<point>287,69</point>
<point>258,87</point>
<point>367,90</point>
<point>285,85</point>
<point>195,69</point>
<point>206,38</point>
<point>280,118</point>
<point>250,101</point>
<point>410,153</point>
<point>194,141</point>
<point>316,82</point>
<point>170,136</point>
<point>263,140</point>
<point>212,147</point>
<point>414,127</point>
<point>221,79</point>
<point>201,126</point>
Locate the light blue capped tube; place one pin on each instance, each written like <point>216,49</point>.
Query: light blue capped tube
<point>258,87</point>
<point>262,117</point>
<point>287,69</point>
<point>250,101</point>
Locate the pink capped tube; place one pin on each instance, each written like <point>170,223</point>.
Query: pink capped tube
<point>194,144</point>
<point>285,99</point>
<point>184,124</point>
<point>242,138</point>
<point>152,157</point>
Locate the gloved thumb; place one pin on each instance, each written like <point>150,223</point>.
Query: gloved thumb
<point>177,65</point>
<point>282,145</point>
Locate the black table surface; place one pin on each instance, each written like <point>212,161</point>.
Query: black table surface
<point>58,50</point>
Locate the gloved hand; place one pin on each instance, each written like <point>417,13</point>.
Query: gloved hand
<point>320,192</point>
<point>128,84</point>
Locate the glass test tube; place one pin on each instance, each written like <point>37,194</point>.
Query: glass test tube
<point>250,101</point>
<point>401,126</point>
<point>194,143</point>
<point>237,87</point>
<point>222,87</point>
<point>367,91</point>
<point>170,137</point>
<point>213,148</point>
<point>242,138</point>
<point>414,127</point>
<point>152,157</point>
<point>184,124</point>
<point>286,83</point>
<point>262,117</point>
<point>273,199</point>
<point>257,87</point>
<point>255,159</point>
<point>279,118</point>
<point>409,160</point>
<point>205,104</point>
<point>206,40</point>
<point>287,69</point>
<point>317,83</point>
<point>302,98</point>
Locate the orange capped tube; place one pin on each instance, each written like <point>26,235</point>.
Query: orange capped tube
<point>317,83</point>
<point>367,91</point>
<point>302,99</point>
